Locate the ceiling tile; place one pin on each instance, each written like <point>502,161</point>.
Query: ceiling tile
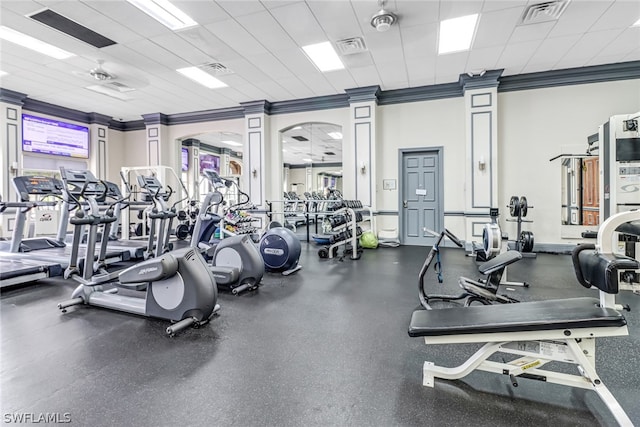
<point>579,16</point>
<point>525,33</point>
<point>411,13</point>
<point>622,13</point>
<point>493,5</point>
<point>211,45</point>
<point>341,80</point>
<point>392,76</point>
<point>235,36</point>
<point>239,8</point>
<point>182,48</point>
<point>495,28</point>
<point>449,67</point>
<point>294,86</point>
<point>337,19</point>
<point>267,30</point>
<point>484,59</point>
<point>457,8</point>
<point>554,49</point>
<point>301,25</point>
<point>386,47</point>
<point>421,71</point>
<point>626,42</point>
<point>203,12</point>
<point>420,41</point>
<point>589,45</point>
<point>365,76</point>
<point>517,55</point>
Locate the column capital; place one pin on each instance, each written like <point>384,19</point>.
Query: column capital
<point>486,79</point>
<point>256,107</point>
<point>155,119</point>
<point>12,97</point>
<point>363,94</point>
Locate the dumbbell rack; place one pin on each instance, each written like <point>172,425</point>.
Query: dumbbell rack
<point>350,232</point>
<point>518,208</point>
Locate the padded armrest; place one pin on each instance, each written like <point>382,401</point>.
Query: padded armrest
<point>499,262</point>
<point>600,270</point>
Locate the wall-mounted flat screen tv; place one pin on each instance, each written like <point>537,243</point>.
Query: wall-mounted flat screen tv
<point>209,161</point>
<point>47,136</point>
<point>185,159</point>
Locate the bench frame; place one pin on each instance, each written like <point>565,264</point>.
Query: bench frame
<point>535,349</point>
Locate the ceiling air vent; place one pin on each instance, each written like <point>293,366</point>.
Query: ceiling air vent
<point>215,68</point>
<point>329,153</point>
<point>543,12</point>
<point>120,87</point>
<point>351,46</point>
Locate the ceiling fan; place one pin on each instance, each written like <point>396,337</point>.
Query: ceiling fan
<point>113,76</point>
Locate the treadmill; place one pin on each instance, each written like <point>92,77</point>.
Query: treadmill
<point>75,180</point>
<point>43,248</point>
<point>14,270</point>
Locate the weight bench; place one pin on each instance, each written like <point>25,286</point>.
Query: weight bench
<point>536,332</point>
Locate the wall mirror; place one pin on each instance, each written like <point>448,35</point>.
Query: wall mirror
<point>220,151</point>
<point>312,158</point>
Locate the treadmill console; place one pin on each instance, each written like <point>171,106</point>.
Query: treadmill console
<point>81,181</point>
<point>27,186</point>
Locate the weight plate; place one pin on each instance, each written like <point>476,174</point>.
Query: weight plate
<point>524,207</point>
<point>514,206</point>
<point>526,241</point>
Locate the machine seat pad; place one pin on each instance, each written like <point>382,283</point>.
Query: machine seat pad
<point>499,262</point>
<point>600,269</point>
<point>570,313</point>
<point>632,228</point>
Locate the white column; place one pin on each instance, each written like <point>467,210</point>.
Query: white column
<point>481,171</point>
<point>11,136</point>
<point>363,110</point>
<point>99,145</point>
<point>257,173</point>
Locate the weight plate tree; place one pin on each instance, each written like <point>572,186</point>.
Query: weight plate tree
<point>518,208</point>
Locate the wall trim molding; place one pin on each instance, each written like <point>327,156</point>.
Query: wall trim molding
<point>571,76</point>
<point>544,79</point>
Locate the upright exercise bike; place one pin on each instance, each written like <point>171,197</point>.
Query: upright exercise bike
<point>178,285</point>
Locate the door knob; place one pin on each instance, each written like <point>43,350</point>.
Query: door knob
<point>404,204</point>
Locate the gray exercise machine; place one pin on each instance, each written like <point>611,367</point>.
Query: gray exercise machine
<point>541,332</point>
<point>178,286</point>
<point>235,261</point>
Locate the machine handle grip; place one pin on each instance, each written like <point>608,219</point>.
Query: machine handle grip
<point>453,238</point>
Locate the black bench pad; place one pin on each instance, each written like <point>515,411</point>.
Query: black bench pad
<point>526,316</point>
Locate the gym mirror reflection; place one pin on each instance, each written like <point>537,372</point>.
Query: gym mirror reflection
<point>220,151</point>
<point>312,161</point>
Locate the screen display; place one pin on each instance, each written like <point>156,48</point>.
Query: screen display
<point>627,149</point>
<point>47,136</point>
<point>209,161</point>
<point>185,160</point>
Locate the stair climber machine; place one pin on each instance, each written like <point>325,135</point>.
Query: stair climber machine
<point>280,248</point>
<point>178,286</point>
<point>235,261</point>
<point>161,215</point>
<point>113,199</point>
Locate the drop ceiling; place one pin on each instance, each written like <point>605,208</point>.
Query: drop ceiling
<point>258,44</point>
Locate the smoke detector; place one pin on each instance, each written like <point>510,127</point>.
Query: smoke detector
<point>383,19</point>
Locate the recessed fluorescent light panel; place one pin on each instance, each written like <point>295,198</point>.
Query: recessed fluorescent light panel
<point>29,42</point>
<point>165,13</point>
<point>637,24</point>
<point>307,160</point>
<point>324,56</point>
<point>3,73</point>
<point>199,76</point>
<point>233,143</point>
<point>335,135</point>
<point>456,34</point>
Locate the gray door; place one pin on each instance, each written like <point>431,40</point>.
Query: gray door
<point>421,204</point>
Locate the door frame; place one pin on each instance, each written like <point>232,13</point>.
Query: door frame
<point>439,151</point>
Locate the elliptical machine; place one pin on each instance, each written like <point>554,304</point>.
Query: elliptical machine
<point>178,285</point>
<point>280,248</point>
<point>235,261</point>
